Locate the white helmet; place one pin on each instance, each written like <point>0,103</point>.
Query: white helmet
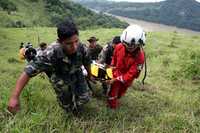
<point>133,36</point>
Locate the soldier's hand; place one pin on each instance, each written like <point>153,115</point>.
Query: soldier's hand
<point>110,81</point>
<point>14,104</point>
<point>92,79</point>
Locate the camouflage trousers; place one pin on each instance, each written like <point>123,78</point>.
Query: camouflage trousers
<point>71,93</point>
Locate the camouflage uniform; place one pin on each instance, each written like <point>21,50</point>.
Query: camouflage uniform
<point>105,57</point>
<point>39,51</point>
<point>94,52</point>
<point>106,54</point>
<point>64,73</point>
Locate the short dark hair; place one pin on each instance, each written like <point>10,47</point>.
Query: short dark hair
<point>21,45</point>
<point>116,40</point>
<point>66,29</point>
<point>42,44</point>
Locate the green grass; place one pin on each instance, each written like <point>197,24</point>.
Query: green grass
<point>169,102</point>
<point>28,13</point>
<point>48,13</point>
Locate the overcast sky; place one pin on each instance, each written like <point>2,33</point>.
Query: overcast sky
<point>144,0</point>
<point>139,0</point>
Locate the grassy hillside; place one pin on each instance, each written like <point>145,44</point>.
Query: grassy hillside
<point>29,13</point>
<point>169,102</point>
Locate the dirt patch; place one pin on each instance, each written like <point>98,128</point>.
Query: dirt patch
<point>196,80</point>
<point>150,26</point>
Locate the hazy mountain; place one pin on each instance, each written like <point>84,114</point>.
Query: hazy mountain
<point>180,13</point>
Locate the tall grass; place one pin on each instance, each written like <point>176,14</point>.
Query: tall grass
<point>165,104</point>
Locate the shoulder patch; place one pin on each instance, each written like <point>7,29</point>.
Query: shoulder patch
<point>139,67</point>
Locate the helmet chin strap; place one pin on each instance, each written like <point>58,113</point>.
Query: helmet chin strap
<point>145,67</point>
<point>131,49</point>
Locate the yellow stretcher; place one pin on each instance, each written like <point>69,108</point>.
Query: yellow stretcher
<point>21,54</point>
<point>99,71</point>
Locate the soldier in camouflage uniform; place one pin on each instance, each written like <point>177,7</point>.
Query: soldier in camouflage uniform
<point>61,61</point>
<point>105,57</point>
<point>94,49</point>
<point>42,47</point>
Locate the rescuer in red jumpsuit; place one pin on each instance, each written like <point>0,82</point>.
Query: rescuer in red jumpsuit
<point>127,62</point>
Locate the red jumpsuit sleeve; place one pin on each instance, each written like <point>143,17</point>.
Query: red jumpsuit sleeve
<point>131,74</point>
<point>135,69</point>
<point>117,60</point>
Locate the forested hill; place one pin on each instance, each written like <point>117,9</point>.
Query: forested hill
<point>180,13</point>
<point>27,13</point>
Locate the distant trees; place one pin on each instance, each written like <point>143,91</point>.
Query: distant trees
<point>60,10</point>
<point>52,12</point>
<point>7,5</point>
